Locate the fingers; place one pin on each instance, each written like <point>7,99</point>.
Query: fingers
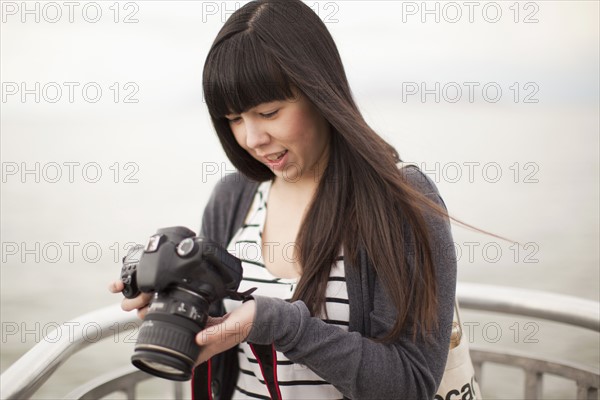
<point>227,331</point>
<point>141,312</point>
<point>116,286</point>
<point>139,302</point>
<point>215,320</point>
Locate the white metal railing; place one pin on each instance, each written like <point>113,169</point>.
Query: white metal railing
<point>22,379</point>
<point>27,374</point>
<point>530,303</point>
<point>565,309</point>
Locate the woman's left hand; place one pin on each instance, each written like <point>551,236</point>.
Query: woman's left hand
<point>221,334</point>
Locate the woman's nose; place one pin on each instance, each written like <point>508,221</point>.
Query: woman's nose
<point>256,135</point>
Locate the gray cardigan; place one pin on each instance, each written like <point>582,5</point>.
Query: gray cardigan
<point>357,366</point>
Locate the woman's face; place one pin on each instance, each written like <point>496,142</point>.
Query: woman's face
<point>290,137</point>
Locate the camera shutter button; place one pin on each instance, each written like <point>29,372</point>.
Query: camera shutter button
<point>186,247</point>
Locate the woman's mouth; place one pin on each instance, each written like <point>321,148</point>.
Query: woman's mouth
<point>276,156</point>
<point>275,160</point>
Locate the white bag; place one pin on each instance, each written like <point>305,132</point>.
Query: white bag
<point>458,382</point>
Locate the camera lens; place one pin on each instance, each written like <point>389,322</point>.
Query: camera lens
<point>166,345</point>
<point>155,362</point>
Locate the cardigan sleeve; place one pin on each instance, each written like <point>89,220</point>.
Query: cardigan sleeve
<point>358,366</point>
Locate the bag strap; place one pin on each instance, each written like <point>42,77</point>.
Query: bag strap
<point>457,330</point>
<point>457,313</point>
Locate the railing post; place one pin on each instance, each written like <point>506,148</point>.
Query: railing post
<point>130,392</point>
<point>586,393</point>
<point>178,390</point>
<point>478,374</point>
<point>533,384</point>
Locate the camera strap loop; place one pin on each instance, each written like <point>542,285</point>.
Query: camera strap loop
<point>241,296</point>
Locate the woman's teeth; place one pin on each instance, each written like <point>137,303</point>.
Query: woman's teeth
<point>277,156</point>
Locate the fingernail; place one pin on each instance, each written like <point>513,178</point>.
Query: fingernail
<point>200,339</point>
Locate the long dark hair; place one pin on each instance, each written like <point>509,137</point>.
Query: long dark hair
<point>264,51</point>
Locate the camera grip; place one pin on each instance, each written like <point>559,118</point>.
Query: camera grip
<point>129,271</point>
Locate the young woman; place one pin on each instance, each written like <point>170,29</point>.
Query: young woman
<point>353,255</point>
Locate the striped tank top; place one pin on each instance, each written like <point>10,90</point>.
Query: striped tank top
<point>296,381</point>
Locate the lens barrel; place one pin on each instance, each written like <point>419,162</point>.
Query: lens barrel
<point>166,345</point>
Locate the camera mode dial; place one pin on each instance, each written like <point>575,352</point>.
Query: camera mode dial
<point>186,247</point>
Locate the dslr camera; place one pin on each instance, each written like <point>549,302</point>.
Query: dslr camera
<point>187,274</point>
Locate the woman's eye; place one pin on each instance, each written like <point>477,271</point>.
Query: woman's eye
<point>233,120</point>
<point>270,115</point>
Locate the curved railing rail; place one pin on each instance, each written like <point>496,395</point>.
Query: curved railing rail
<point>28,374</point>
<point>534,369</point>
<point>530,303</point>
<point>22,379</point>
<point>123,380</point>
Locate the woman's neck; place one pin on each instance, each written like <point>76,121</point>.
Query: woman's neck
<point>300,189</point>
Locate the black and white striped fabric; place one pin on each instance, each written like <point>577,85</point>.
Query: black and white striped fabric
<point>295,381</point>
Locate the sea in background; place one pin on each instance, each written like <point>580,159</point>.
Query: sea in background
<point>517,153</point>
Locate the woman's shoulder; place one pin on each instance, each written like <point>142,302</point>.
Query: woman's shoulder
<point>231,186</point>
<point>418,179</point>
<point>232,193</point>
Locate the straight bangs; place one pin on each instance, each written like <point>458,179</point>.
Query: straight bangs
<point>240,73</point>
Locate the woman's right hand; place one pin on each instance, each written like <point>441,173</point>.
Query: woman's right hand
<point>140,302</point>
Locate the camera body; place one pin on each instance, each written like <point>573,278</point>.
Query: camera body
<point>186,274</point>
